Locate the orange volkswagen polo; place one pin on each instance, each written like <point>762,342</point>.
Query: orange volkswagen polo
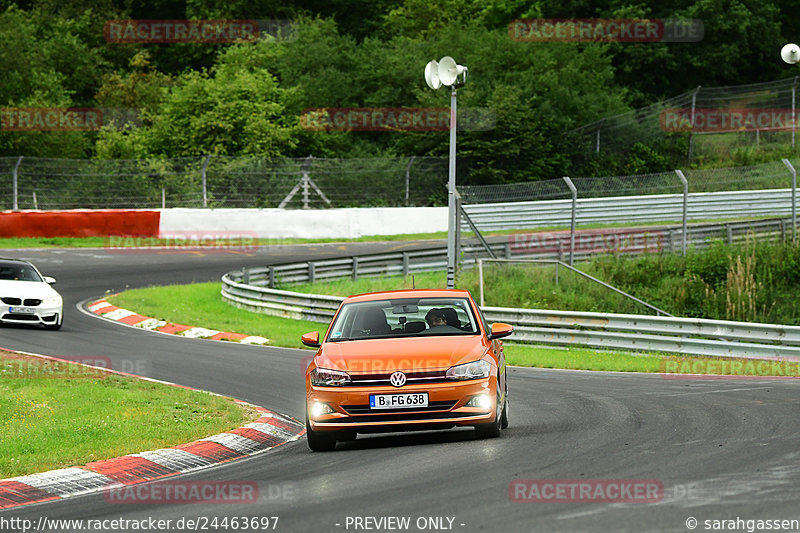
<point>402,361</point>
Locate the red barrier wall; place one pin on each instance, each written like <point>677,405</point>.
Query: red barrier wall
<point>79,223</point>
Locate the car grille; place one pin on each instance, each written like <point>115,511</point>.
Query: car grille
<point>17,316</point>
<point>32,302</point>
<point>382,379</point>
<point>397,417</point>
<point>432,406</point>
<point>8,300</point>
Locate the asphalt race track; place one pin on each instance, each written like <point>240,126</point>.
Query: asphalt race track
<point>721,449</point>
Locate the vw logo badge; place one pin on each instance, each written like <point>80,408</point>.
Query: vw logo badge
<point>398,379</point>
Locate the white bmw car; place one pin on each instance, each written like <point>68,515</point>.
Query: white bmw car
<point>26,296</point>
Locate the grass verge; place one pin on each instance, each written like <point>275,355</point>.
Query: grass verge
<point>201,305</point>
<point>55,415</point>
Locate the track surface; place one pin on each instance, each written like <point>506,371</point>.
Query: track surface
<point>722,449</point>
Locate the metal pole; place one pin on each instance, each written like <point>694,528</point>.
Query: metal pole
<point>205,189</point>
<point>794,197</point>
<point>408,175</point>
<point>163,198</point>
<point>451,197</point>
<point>691,135</point>
<point>685,206</point>
<point>572,221</point>
<point>16,168</point>
<point>480,279</point>
<point>794,119</point>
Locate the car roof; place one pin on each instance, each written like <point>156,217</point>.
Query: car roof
<point>9,259</point>
<point>408,293</point>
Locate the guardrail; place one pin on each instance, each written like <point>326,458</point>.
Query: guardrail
<point>251,288</point>
<point>631,209</point>
<point>689,336</point>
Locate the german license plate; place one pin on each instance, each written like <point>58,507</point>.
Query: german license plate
<point>22,310</point>
<point>398,401</point>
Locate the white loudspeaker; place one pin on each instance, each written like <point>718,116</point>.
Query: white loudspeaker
<point>432,75</point>
<point>789,53</point>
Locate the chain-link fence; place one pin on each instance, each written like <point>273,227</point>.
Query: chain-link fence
<point>217,181</point>
<point>698,123</point>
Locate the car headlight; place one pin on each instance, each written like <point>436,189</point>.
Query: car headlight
<point>326,377</point>
<point>51,301</point>
<point>474,370</point>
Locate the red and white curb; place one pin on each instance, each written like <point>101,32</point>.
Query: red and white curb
<point>269,431</point>
<point>112,312</point>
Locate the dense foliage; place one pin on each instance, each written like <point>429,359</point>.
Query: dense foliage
<point>248,98</point>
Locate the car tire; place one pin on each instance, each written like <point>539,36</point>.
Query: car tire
<point>490,430</point>
<point>504,417</point>
<point>319,441</point>
<point>55,326</point>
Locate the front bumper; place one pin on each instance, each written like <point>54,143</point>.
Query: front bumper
<point>44,315</point>
<point>446,407</point>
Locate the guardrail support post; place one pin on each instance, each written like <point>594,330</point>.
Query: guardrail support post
<point>355,268</point>
<point>480,279</point>
<point>685,202</point>
<point>311,272</point>
<point>507,250</point>
<point>245,276</point>
<point>794,197</point>
<point>405,264</point>
<point>271,279</point>
<point>729,233</point>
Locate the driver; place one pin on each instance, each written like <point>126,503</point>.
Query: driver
<point>437,321</point>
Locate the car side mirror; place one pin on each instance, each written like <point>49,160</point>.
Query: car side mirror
<point>500,330</point>
<point>311,339</point>
<point>49,280</point>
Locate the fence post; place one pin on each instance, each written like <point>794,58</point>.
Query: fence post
<point>205,188</point>
<point>572,219</point>
<point>408,176</point>
<point>794,120</point>
<point>271,281</point>
<point>794,197</point>
<point>355,268</point>
<point>685,205</point>
<point>691,134</point>
<point>405,264</point>
<point>245,276</point>
<point>311,272</point>
<point>16,199</point>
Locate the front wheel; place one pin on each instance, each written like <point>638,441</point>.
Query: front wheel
<point>319,441</point>
<point>55,326</point>
<point>492,429</point>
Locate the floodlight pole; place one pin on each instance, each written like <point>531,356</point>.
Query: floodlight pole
<point>451,197</point>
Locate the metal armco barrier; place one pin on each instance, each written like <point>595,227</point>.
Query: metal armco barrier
<point>249,288</point>
<point>631,209</point>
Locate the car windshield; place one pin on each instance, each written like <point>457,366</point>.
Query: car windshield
<point>18,272</point>
<point>404,317</point>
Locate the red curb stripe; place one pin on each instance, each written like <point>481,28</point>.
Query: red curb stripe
<point>283,424</point>
<point>210,450</point>
<point>109,308</point>
<point>229,336</point>
<point>173,328</point>
<point>14,493</point>
<point>127,469</point>
<point>133,319</point>
<point>258,436</point>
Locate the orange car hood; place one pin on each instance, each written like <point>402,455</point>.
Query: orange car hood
<point>387,355</point>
